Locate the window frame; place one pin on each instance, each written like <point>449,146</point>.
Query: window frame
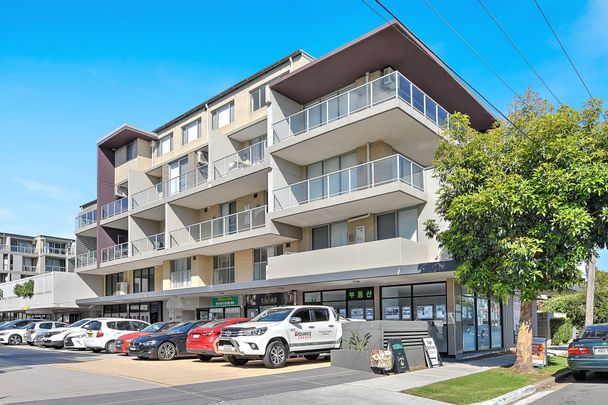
<point>159,149</point>
<point>186,127</point>
<point>132,144</point>
<point>260,94</point>
<point>215,124</point>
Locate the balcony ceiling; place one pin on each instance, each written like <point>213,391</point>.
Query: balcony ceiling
<point>385,46</point>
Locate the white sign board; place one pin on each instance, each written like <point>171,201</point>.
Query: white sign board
<point>431,352</point>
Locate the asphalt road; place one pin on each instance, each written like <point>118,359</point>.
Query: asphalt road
<point>58,385</point>
<point>593,391</point>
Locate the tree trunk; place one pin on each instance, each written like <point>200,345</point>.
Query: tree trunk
<point>523,353</point>
<point>590,292</point>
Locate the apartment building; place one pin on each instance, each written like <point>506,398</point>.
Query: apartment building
<point>307,182</point>
<point>49,262</point>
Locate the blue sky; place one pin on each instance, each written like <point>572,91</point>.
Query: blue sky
<point>70,72</point>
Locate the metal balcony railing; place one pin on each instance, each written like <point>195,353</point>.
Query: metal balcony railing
<point>115,252</point>
<point>222,226</point>
<point>23,249</point>
<point>50,269</point>
<point>171,187</point>
<point>115,208</point>
<point>151,243</point>
<point>86,218</point>
<point>28,268</point>
<point>181,279</point>
<point>391,86</point>
<point>86,259</point>
<point>242,159</point>
<point>395,168</point>
<point>55,251</point>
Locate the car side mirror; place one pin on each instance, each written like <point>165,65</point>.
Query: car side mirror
<point>295,319</point>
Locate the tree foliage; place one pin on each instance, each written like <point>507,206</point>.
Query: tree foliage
<point>573,304</point>
<point>524,209</point>
<point>25,290</point>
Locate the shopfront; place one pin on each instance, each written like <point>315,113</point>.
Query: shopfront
<point>221,308</point>
<point>354,303</point>
<point>145,311</point>
<point>256,303</point>
<point>482,322</point>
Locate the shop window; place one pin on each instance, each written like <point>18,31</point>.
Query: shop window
<point>496,324</point>
<point>481,323</point>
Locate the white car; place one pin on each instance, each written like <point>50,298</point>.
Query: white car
<point>277,333</point>
<point>13,335</point>
<point>102,333</point>
<point>55,337</point>
<point>37,329</point>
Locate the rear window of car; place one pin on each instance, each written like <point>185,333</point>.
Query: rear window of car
<point>136,325</point>
<point>95,325</point>
<point>595,332</point>
<point>46,325</point>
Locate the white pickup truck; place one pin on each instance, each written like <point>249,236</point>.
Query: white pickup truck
<point>277,333</point>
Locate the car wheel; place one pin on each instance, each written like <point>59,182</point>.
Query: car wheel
<point>276,355</point>
<point>110,347</point>
<point>235,361</point>
<point>96,350</point>
<point>15,340</point>
<point>204,357</point>
<point>311,356</point>
<point>167,351</point>
<point>579,375</point>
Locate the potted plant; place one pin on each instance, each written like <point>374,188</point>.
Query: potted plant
<point>355,351</point>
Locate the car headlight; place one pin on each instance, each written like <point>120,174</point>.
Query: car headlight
<point>150,343</point>
<point>254,332</point>
<point>3,333</point>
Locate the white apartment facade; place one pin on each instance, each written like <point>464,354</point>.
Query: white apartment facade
<point>307,182</point>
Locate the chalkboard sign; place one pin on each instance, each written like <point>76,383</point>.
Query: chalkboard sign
<point>432,354</point>
<point>400,364</point>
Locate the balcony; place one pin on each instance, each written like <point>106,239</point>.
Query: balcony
<point>28,268</point>
<point>240,160</point>
<point>85,219</point>
<point>115,208</point>
<point>148,244</point>
<point>49,250</point>
<point>28,250</point>
<point>180,279</point>
<point>50,269</point>
<point>5,248</point>
<point>116,252</point>
<point>174,186</point>
<point>390,108</point>
<point>360,256</point>
<point>380,185</point>
<point>86,259</point>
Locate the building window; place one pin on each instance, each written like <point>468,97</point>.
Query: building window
<point>181,272</point>
<point>403,223</point>
<point>481,322</point>
<point>260,260</point>
<point>143,280</point>
<point>320,188</point>
<point>112,281</point>
<point>258,98</point>
<point>354,303</point>
<point>132,150</point>
<point>223,269</point>
<point>165,145</point>
<point>55,248</point>
<point>54,264</point>
<point>191,131</point>
<point>331,235</point>
<point>222,116</point>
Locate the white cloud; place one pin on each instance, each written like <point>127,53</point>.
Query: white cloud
<point>47,190</point>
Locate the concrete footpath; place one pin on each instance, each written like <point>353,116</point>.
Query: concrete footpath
<point>383,390</point>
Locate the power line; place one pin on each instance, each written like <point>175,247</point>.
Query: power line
<point>518,50</point>
<point>485,62</point>
<point>563,48</point>
<point>454,72</point>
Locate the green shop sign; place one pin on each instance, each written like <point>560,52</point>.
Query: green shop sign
<point>355,294</point>
<point>224,301</point>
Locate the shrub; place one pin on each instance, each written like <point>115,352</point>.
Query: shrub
<point>562,330</point>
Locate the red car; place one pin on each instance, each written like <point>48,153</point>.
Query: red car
<point>122,343</point>
<point>201,340</point>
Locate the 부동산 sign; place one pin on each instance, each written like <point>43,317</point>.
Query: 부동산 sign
<point>230,301</point>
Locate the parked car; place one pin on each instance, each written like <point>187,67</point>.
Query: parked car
<point>277,332</point>
<point>164,346</point>
<point>589,352</point>
<point>56,337</point>
<point>16,324</point>
<point>102,333</point>
<point>201,340</point>
<point>14,335</point>
<point>122,343</point>
<point>36,330</point>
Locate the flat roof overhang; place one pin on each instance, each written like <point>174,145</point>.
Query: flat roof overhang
<point>123,135</point>
<point>383,275</point>
<point>382,47</point>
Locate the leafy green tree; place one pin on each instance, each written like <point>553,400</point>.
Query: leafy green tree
<point>573,304</point>
<point>25,290</point>
<point>523,203</point>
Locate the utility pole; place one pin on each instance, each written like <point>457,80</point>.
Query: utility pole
<point>590,291</point>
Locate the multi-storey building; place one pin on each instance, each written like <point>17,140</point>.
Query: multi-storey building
<point>307,182</point>
<point>49,262</point>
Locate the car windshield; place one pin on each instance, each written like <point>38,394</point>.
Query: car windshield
<point>595,332</point>
<point>153,328</point>
<point>273,315</point>
<point>214,324</point>
<point>181,327</point>
<point>78,323</point>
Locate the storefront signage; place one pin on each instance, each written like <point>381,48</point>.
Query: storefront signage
<point>539,352</point>
<point>270,299</point>
<point>231,301</point>
<point>400,364</point>
<point>432,354</point>
<point>366,293</point>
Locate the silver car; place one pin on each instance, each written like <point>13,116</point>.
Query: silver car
<point>36,329</point>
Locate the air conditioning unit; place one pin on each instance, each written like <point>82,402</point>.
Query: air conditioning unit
<point>387,78</point>
<point>201,158</point>
<point>122,288</point>
<point>121,191</point>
